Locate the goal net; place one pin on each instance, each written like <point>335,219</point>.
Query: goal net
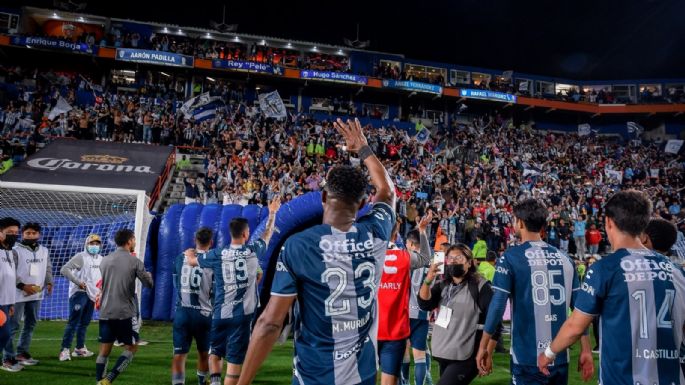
<point>67,215</point>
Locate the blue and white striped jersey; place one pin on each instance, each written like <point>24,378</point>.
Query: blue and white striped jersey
<point>335,275</point>
<point>235,278</point>
<point>639,296</point>
<point>193,285</point>
<point>541,282</point>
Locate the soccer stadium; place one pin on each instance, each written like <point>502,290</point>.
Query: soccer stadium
<point>437,193</point>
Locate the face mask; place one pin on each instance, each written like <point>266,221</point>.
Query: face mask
<point>93,249</point>
<point>30,242</point>
<point>10,240</point>
<point>455,271</point>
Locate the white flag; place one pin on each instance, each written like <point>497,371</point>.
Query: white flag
<point>614,174</point>
<point>584,129</point>
<point>673,146</point>
<point>62,107</point>
<point>272,105</point>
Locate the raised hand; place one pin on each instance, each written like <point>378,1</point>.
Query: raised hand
<point>352,133</point>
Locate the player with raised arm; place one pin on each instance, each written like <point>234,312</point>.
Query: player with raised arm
<point>542,283</point>
<point>236,274</point>
<point>333,270</point>
<point>639,297</point>
<point>193,318</point>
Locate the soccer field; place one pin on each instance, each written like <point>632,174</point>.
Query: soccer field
<point>151,365</point>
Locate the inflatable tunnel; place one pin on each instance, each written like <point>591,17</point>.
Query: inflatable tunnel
<point>179,223</point>
<point>176,233</point>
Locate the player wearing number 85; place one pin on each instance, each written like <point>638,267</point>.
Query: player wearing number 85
<point>639,297</point>
<point>542,283</point>
<point>236,274</point>
<point>333,269</point>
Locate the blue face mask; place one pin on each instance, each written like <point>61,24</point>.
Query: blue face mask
<point>93,249</point>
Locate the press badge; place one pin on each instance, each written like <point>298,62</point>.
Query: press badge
<point>444,317</point>
<point>34,269</point>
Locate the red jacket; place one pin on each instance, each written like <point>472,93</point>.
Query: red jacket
<point>593,237</point>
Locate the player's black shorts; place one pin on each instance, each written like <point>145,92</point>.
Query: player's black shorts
<point>117,330</point>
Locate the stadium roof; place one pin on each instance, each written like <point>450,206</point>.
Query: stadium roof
<point>586,39</point>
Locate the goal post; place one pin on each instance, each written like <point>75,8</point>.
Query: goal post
<point>68,214</point>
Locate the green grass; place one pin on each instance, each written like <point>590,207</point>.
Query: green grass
<point>152,362</point>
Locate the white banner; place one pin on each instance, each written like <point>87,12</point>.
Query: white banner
<point>673,146</point>
<point>272,105</point>
<point>62,107</point>
<point>584,129</point>
<point>614,174</point>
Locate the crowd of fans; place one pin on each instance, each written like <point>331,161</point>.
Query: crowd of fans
<point>468,173</point>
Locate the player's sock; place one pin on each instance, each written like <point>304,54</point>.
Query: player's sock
<point>178,378</point>
<point>100,367</point>
<point>404,379</point>
<point>202,377</point>
<point>429,376</point>
<point>215,379</point>
<point>419,371</point>
<point>122,363</point>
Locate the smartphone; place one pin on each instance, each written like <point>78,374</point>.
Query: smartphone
<point>439,257</point>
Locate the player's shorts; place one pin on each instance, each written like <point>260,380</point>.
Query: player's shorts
<point>230,338</point>
<point>117,330</point>
<point>189,325</point>
<point>531,375</point>
<point>419,334</point>
<point>390,356</point>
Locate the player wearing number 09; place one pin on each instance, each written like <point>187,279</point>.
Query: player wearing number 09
<point>542,283</point>
<point>193,310</point>
<point>639,297</point>
<point>333,270</point>
<point>236,274</point>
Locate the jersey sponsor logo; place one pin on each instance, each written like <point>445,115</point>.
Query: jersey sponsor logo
<point>344,326</point>
<point>235,253</point>
<point>346,250</point>
<point>347,354</point>
<point>550,317</point>
<point>646,270</point>
<point>648,354</point>
<point>540,257</point>
<point>389,269</point>
<point>502,270</point>
<point>587,288</point>
<point>542,345</point>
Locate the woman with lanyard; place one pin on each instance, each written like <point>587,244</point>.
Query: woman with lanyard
<point>463,298</point>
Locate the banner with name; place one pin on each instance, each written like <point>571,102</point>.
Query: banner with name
<point>413,86</point>
<point>339,77</point>
<point>249,66</point>
<point>487,95</point>
<point>154,57</point>
<point>52,43</point>
<point>673,146</point>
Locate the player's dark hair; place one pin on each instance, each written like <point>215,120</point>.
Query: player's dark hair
<point>630,210</point>
<point>31,226</point>
<point>8,222</point>
<point>413,236</point>
<point>237,227</point>
<point>122,237</point>
<point>346,183</point>
<point>204,236</point>
<point>532,212</point>
<point>662,233</point>
<point>491,256</point>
